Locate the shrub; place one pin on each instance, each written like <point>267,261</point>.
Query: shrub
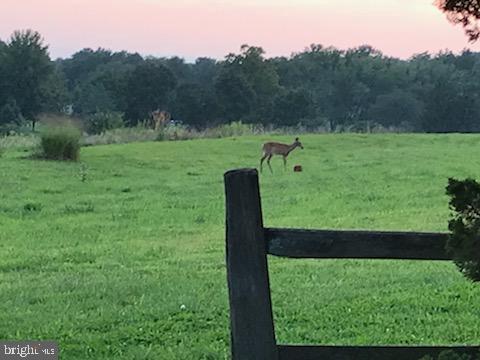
<point>464,241</point>
<point>100,122</point>
<point>61,142</point>
<point>10,117</point>
<point>8,129</point>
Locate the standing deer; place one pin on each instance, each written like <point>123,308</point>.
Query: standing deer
<point>274,148</point>
<point>159,119</point>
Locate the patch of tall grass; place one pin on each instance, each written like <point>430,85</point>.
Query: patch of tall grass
<point>143,132</point>
<point>236,128</point>
<point>121,136</point>
<point>60,142</point>
<point>19,141</point>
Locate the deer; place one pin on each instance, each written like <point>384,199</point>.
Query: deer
<point>273,148</point>
<point>159,119</point>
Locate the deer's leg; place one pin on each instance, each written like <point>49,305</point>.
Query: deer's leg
<point>284,163</point>
<point>261,161</point>
<point>268,162</point>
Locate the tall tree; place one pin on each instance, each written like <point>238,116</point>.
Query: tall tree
<point>179,68</point>
<point>148,88</point>
<point>235,95</point>
<point>189,105</point>
<point>204,72</point>
<point>3,74</point>
<point>258,78</point>
<point>397,108</point>
<point>28,72</point>
<point>81,65</point>
<point>291,107</point>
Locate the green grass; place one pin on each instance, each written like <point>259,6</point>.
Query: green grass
<point>102,254</point>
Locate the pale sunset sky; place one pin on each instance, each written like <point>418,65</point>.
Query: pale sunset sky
<point>213,28</point>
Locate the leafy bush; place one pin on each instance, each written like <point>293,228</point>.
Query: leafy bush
<point>10,117</point>
<point>61,142</point>
<point>464,240</point>
<point>8,129</point>
<point>100,122</point>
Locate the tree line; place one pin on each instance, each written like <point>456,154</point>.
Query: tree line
<point>320,86</point>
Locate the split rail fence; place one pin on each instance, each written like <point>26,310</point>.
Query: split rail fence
<point>248,243</point>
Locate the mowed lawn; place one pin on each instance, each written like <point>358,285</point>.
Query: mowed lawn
<point>121,256</point>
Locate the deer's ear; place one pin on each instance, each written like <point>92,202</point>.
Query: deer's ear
<point>296,139</point>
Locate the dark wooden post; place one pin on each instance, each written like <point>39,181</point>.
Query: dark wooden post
<point>251,320</point>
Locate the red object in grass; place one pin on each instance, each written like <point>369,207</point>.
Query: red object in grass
<point>297,168</point>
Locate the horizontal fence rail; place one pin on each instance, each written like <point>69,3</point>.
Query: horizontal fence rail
<point>338,244</point>
<point>316,352</point>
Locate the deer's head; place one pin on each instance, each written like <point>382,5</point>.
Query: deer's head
<point>298,143</point>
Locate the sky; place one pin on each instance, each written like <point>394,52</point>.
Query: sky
<point>214,28</point>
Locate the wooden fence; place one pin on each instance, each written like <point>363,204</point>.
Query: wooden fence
<point>247,244</point>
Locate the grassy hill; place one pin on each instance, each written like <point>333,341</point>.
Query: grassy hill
<point>122,255</point>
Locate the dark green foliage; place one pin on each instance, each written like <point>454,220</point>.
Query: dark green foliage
<point>61,142</point>
<point>91,98</point>
<point>464,241</point>
<point>54,95</point>
<point>348,88</point>
<point>180,70</point>
<point>354,89</point>
<point>98,79</point>
<point>28,71</point>
<point>247,85</point>
<point>10,116</point>
<point>3,74</point>
<point>204,71</point>
<point>190,104</point>
<point>398,108</point>
<point>148,88</point>
<point>102,121</point>
<point>235,95</point>
<point>292,106</point>
<point>451,99</point>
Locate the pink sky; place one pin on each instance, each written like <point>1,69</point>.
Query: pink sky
<point>194,28</point>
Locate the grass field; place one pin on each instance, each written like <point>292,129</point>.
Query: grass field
<point>101,255</point>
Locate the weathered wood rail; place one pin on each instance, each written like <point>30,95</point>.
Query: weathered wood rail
<point>247,244</point>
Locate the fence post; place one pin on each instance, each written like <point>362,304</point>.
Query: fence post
<point>251,320</point>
